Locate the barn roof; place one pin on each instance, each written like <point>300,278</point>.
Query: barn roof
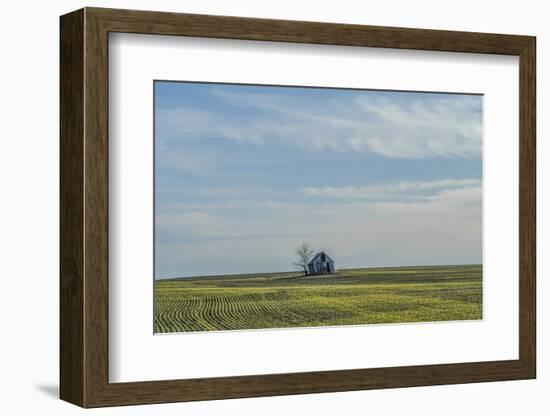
<point>319,254</point>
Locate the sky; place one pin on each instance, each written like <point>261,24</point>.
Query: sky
<point>244,174</point>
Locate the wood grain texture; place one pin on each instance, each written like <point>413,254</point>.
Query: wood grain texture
<point>162,23</point>
<point>96,219</point>
<point>71,208</point>
<point>84,207</point>
<point>527,207</point>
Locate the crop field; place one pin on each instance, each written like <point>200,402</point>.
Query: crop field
<point>347,297</point>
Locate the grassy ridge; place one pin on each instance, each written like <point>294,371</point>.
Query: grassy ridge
<point>282,300</point>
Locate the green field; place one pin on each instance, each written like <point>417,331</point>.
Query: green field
<point>347,297</point>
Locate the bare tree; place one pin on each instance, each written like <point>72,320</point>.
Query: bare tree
<point>304,252</point>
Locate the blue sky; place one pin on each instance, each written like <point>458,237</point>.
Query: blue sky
<point>244,174</point>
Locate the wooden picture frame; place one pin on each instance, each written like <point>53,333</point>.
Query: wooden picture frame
<point>84,207</point>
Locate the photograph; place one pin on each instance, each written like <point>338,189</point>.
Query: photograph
<point>286,206</point>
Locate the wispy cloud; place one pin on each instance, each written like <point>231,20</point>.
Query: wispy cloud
<point>421,127</point>
<point>445,126</point>
<point>402,190</point>
<point>445,228</point>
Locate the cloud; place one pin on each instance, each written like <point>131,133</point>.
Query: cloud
<point>402,190</point>
<point>445,126</point>
<point>248,236</point>
<point>411,126</point>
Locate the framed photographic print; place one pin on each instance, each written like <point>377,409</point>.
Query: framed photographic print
<point>255,207</point>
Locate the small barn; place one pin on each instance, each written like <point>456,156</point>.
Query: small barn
<point>321,263</point>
